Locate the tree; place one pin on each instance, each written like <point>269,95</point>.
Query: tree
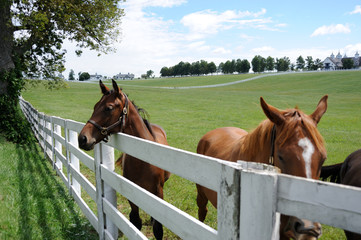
<point>71,75</point>
<point>300,63</point>
<point>347,63</point>
<point>258,64</point>
<point>309,62</point>
<point>317,64</point>
<point>204,67</point>
<point>282,64</point>
<point>84,76</point>
<point>229,67</point>
<point>150,73</point>
<point>270,63</point>
<point>245,66</point>
<point>31,38</point>
<point>212,68</point>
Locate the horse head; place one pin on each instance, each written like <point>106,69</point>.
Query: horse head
<point>108,117</point>
<point>297,149</point>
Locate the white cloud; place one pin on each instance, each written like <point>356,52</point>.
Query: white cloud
<point>265,49</point>
<point>207,22</point>
<point>154,3</point>
<point>356,10</point>
<point>332,29</point>
<point>221,50</point>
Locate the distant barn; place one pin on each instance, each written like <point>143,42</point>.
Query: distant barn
<point>128,76</point>
<point>335,63</point>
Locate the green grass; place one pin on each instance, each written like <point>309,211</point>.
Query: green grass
<point>187,114</point>
<point>34,204</point>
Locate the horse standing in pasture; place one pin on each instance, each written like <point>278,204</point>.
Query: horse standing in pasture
<point>348,173</point>
<point>115,113</point>
<point>288,139</point>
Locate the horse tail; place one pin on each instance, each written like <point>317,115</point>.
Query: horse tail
<point>333,172</point>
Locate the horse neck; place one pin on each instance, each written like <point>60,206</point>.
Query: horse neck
<point>135,125</point>
<point>256,146</point>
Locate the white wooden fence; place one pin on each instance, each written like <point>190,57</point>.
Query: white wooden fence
<point>250,199</point>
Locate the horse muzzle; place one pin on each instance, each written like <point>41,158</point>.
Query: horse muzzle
<point>301,229</point>
<point>85,143</point>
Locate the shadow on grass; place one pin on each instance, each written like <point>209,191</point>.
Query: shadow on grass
<point>47,211</point>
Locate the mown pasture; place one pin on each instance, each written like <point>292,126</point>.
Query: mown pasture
<point>187,114</point>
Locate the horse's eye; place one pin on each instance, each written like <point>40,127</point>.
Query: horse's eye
<point>109,108</point>
<point>280,158</point>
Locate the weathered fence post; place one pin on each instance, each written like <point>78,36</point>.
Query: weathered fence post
<point>258,218</point>
<point>73,139</point>
<point>228,202</point>
<point>104,155</point>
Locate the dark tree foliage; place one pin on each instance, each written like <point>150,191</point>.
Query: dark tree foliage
<point>31,39</point>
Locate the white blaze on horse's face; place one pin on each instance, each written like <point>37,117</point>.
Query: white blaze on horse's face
<point>308,150</point>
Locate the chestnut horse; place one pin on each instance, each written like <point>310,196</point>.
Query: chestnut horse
<point>348,173</point>
<point>288,139</point>
<point>115,113</point>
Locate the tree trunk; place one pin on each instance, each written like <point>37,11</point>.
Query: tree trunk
<point>6,43</point>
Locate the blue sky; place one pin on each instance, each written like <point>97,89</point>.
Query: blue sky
<point>157,33</point>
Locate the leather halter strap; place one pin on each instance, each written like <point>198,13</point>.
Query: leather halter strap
<point>273,138</point>
<point>105,131</point>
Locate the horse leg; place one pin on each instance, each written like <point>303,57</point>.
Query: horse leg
<point>134,216</point>
<point>157,226</point>
<point>202,201</point>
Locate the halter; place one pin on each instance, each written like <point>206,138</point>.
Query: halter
<point>273,138</point>
<point>105,130</point>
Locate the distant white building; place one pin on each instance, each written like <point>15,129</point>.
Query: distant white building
<point>335,63</point>
<point>95,77</point>
<point>128,76</point>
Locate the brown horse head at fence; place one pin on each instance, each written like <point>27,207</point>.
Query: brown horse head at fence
<point>115,113</point>
<point>287,139</point>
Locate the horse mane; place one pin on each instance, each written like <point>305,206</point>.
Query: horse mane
<point>145,116</point>
<point>259,140</point>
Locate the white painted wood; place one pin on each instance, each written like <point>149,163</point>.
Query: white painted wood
<point>84,182</point>
<point>100,192</point>
<point>86,210</point>
<point>80,155</point>
<point>228,199</point>
<point>74,160</point>
<point>179,222</point>
<point>107,161</point>
<point>194,167</point>
<point>127,228</point>
<point>258,205</point>
<point>74,125</point>
<point>328,203</point>
<point>58,146</point>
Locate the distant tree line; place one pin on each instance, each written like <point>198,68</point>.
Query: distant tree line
<point>259,64</point>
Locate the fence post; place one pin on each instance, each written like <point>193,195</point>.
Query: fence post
<point>228,202</point>
<point>73,139</point>
<point>49,139</point>
<point>57,162</point>
<point>104,155</point>
<point>258,218</point>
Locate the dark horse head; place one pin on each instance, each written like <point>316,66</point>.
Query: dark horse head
<point>109,116</point>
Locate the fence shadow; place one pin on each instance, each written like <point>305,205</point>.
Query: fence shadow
<point>47,211</point>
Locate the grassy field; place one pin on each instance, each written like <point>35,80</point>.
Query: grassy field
<point>34,204</point>
<point>187,114</point>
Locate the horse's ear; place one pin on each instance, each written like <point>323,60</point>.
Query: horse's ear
<point>320,109</point>
<point>115,86</point>
<point>272,113</point>
<point>105,89</point>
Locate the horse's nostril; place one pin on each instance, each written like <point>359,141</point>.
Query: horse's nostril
<point>82,140</point>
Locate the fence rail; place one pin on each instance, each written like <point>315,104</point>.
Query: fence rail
<point>249,199</point>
